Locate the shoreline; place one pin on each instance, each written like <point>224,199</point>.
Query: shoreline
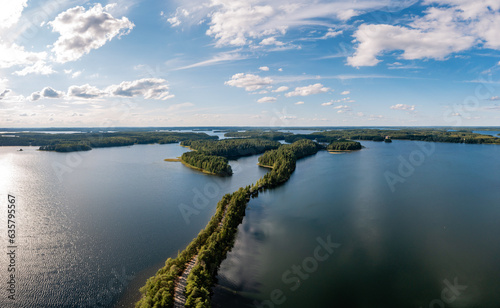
<point>265,166</point>
<point>189,166</point>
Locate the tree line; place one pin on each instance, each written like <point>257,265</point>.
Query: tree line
<point>344,145</point>
<point>211,163</point>
<point>232,148</point>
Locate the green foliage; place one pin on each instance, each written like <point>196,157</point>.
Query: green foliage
<point>344,145</point>
<point>232,148</point>
<point>211,163</point>
<point>66,147</point>
<point>271,135</point>
<point>82,141</point>
<point>283,161</point>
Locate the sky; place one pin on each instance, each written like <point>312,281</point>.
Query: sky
<point>67,63</point>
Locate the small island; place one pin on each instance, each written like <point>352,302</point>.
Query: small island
<point>343,146</point>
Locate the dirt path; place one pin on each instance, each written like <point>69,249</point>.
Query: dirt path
<point>180,286</point>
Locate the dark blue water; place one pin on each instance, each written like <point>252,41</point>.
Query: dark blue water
<point>411,224</point>
<point>89,222</point>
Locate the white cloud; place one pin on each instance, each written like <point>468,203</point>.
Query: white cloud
<point>217,59</point>
<point>11,12</point>
<point>403,107</point>
<point>40,67</point>
<point>494,98</point>
<point>4,93</point>
<point>150,88</point>
<point>448,26</point>
<point>14,55</point>
<point>267,99</point>
<point>46,92</point>
<point>281,89</point>
<point>327,104</point>
<point>264,68</point>
<point>299,103</point>
<point>331,33</point>
<point>85,91</point>
<point>35,96</point>
<point>342,107</point>
<point>308,90</point>
<point>248,81</point>
<point>83,30</point>
<point>240,22</point>
<point>345,93</point>
<point>271,41</point>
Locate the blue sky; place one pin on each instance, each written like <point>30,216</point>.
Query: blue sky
<point>66,63</point>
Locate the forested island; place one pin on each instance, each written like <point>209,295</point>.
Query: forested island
<point>343,145</point>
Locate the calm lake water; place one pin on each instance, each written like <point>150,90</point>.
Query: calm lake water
<point>89,223</point>
<point>431,241</point>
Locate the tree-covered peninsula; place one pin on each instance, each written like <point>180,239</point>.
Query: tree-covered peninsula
<point>209,248</point>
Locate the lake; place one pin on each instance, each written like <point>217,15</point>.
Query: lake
<point>90,223</point>
<point>397,245</point>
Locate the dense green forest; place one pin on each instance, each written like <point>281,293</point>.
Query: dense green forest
<point>66,147</point>
<point>232,148</point>
<point>271,135</point>
<point>283,161</point>
<point>421,134</point>
<point>217,165</point>
<point>344,145</point>
<point>81,141</point>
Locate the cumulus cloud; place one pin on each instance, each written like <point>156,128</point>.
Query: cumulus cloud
<point>150,88</point>
<point>447,27</point>
<point>308,90</point>
<point>494,98</point>
<point>345,93</point>
<point>11,12</point>
<point>281,89</point>
<point>35,96</point>
<point>248,81</point>
<point>4,93</point>
<point>403,107</point>
<point>85,91</point>
<point>327,104</point>
<point>46,92</point>
<point>264,68</point>
<point>83,30</point>
<point>267,99</point>
<point>51,93</point>
<point>299,103</point>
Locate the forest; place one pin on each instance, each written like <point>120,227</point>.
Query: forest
<point>344,145</point>
<point>232,148</point>
<point>213,164</point>
<point>82,141</point>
